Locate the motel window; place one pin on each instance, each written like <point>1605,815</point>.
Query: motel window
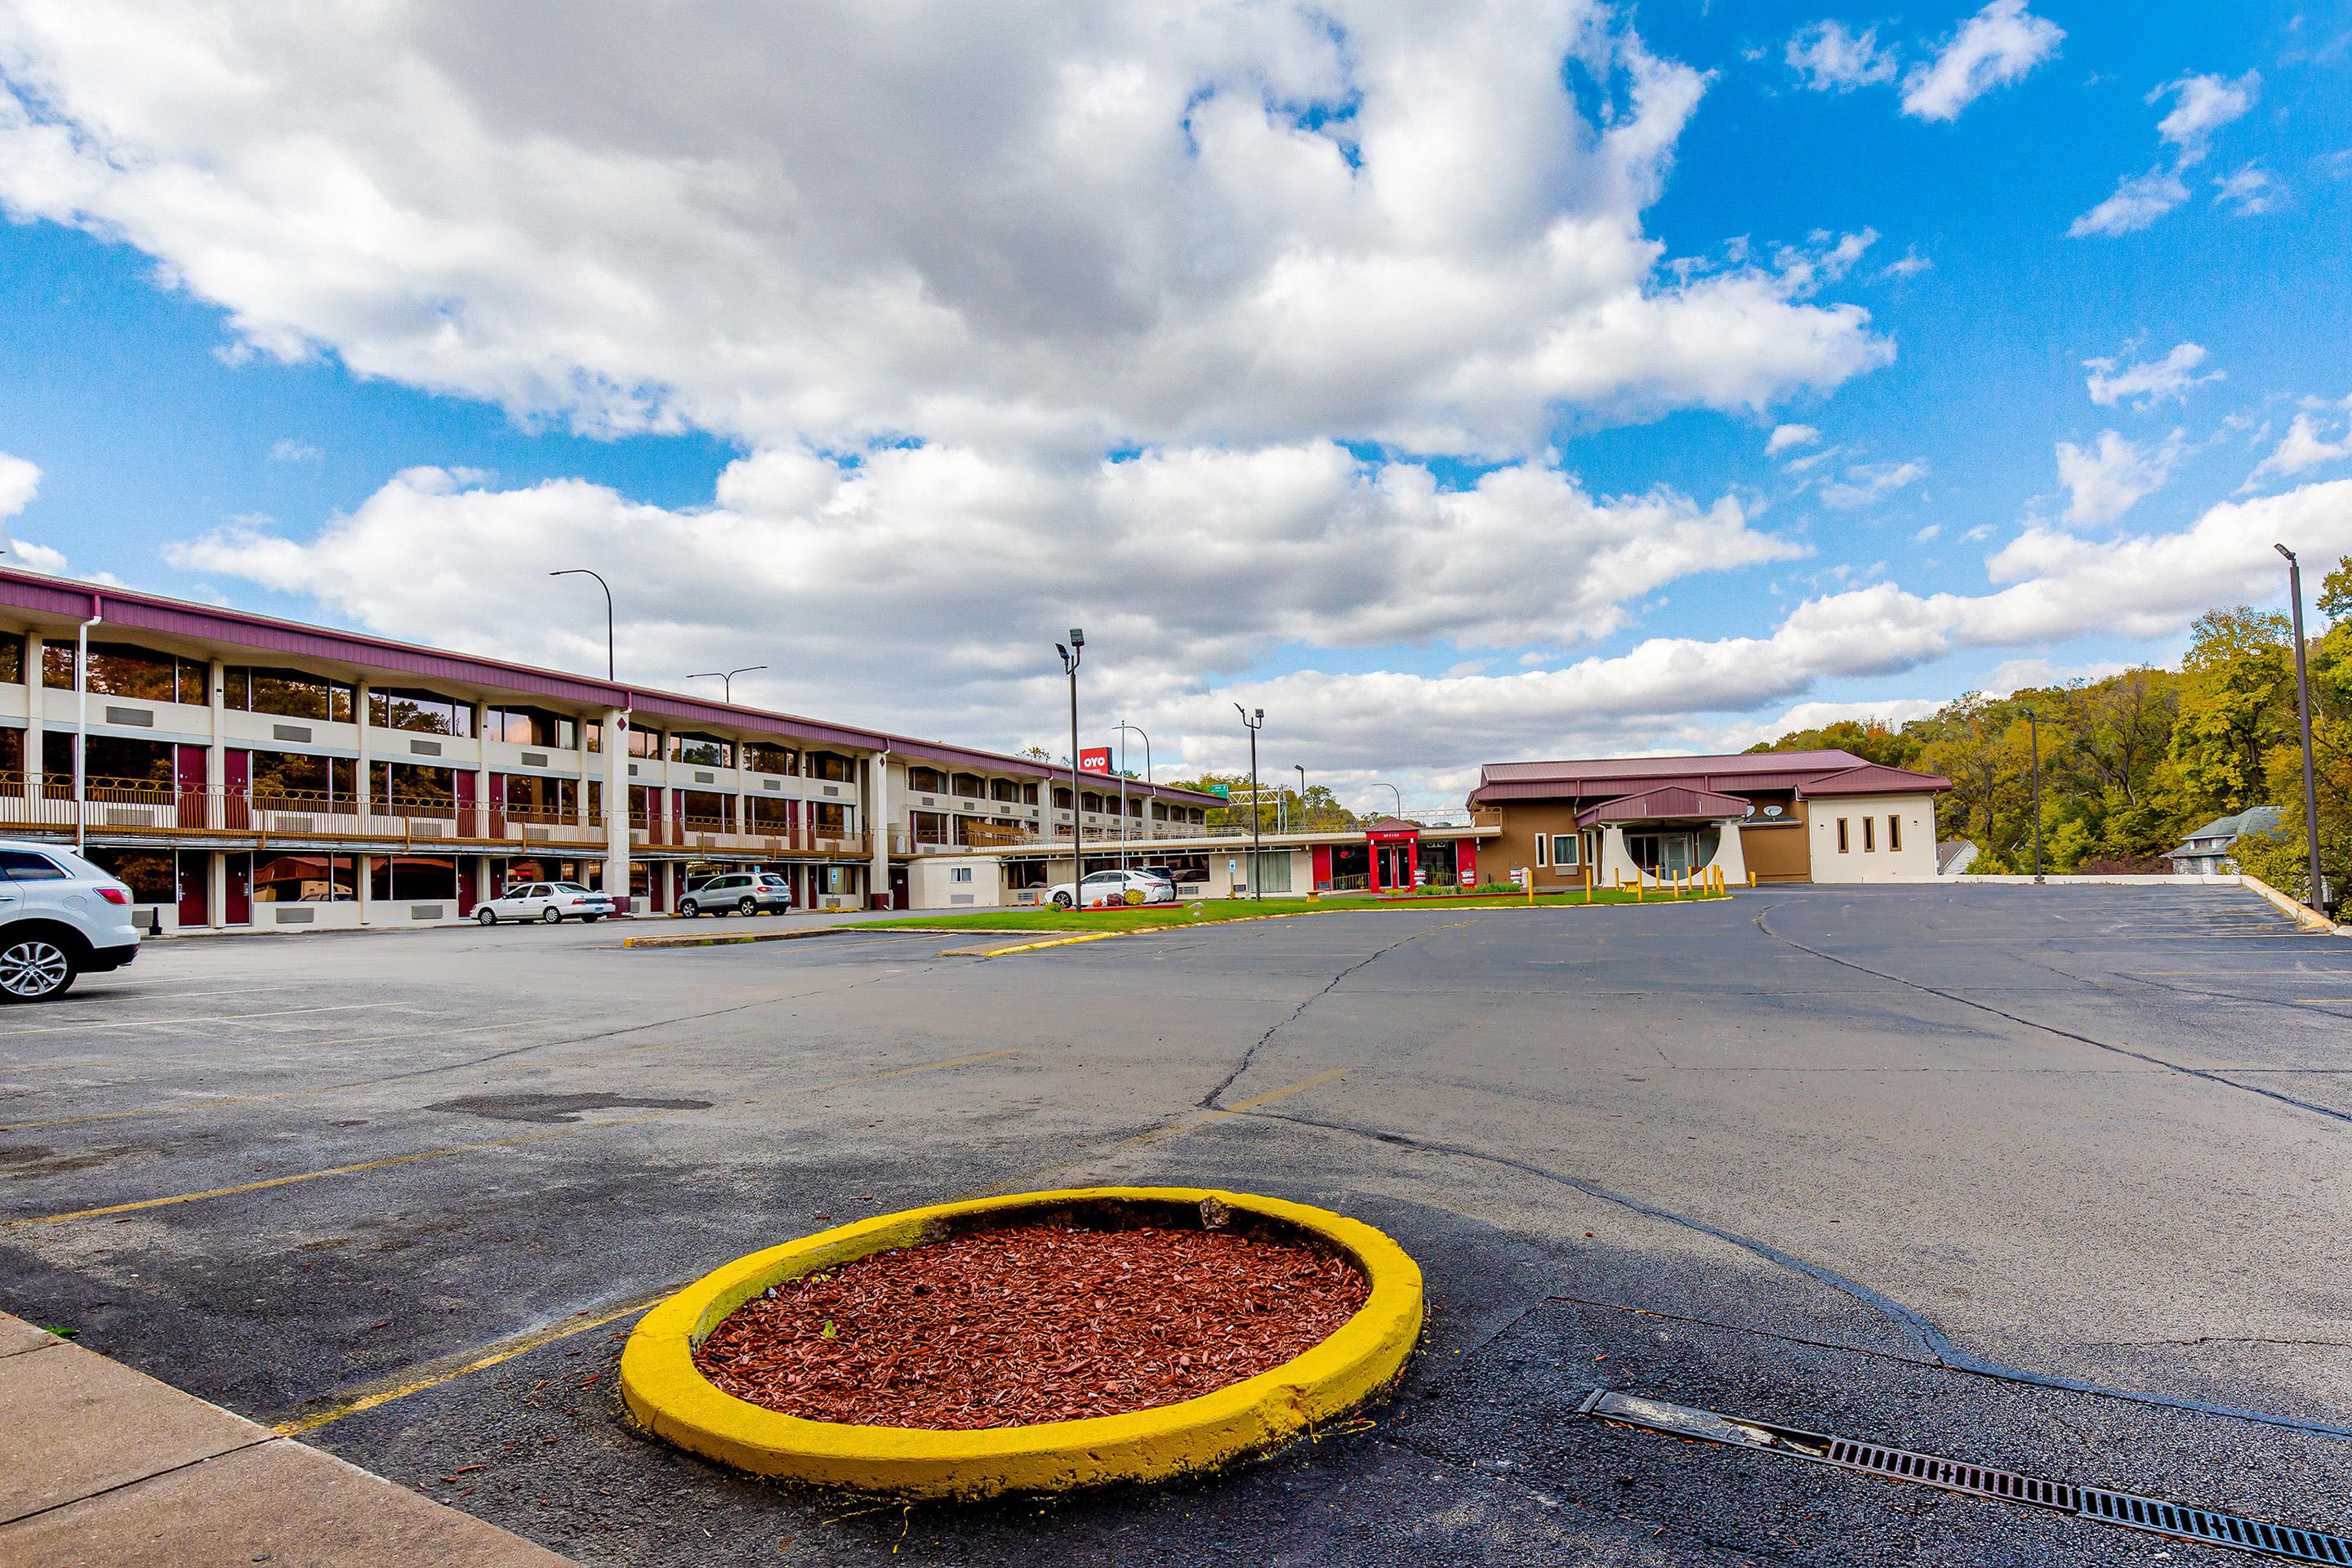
<point>969,786</point>
<point>595,800</point>
<point>1270,872</point>
<point>1869,835</point>
<point>532,727</point>
<point>1543,850</point>
<point>1006,791</point>
<point>152,877</point>
<point>406,789</point>
<point>762,758</point>
<point>390,707</point>
<point>927,780</point>
<point>1842,841</point>
<point>12,756</point>
<point>645,742</point>
<point>118,669</point>
<point>116,763</point>
<point>11,658</point>
<point>290,693</point>
<point>702,751</point>
<point>1028,794</point>
<point>318,784</point>
<point>827,819</point>
<point>305,878</point>
<point>1563,851</point>
<point>543,799</point>
<point>832,767</point>
<point>413,877</point>
<point>1061,799</point>
<point>960,873</point>
<point>1894,831</point>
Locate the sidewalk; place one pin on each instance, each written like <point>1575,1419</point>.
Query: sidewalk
<point>106,1467</point>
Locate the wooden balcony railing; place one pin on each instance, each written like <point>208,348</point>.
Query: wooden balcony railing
<point>712,836</point>
<point>135,808</point>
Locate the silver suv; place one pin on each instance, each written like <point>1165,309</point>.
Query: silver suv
<point>61,917</point>
<point>745,892</point>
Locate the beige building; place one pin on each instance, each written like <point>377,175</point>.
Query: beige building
<point>1779,816</point>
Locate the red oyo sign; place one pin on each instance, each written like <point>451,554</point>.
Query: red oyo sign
<point>1095,759</point>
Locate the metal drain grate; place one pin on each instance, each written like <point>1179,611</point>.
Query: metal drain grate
<point>2162,1518</point>
<point>1929,1469</point>
<point>2125,1509</point>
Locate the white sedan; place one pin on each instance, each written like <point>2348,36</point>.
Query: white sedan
<point>551,903</point>
<point>1105,889</point>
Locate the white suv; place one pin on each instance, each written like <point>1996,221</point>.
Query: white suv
<point>59,917</point>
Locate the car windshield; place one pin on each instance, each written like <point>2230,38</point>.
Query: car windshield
<point>566,888</point>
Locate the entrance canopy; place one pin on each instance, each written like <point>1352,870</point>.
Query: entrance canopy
<point>1673,804</point>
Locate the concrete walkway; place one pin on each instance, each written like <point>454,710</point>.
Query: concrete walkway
<point>106,1465</point>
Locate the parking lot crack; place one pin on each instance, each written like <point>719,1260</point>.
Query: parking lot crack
<point>2331,1113</point>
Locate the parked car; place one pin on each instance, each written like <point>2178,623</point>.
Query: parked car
<point>745,892</point>
<point>60,918</point>
<point>551,903</point>
<point>1104,888</point>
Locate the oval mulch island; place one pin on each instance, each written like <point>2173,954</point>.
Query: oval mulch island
<point>1029,1343</point>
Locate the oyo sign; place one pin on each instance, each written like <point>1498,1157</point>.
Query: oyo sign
<point>1095,759</point>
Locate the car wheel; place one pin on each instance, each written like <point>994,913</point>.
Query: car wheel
<point>689,910</point>
<point>550,917</point>
<point>1061,901</point>
<point>34,969</point>
<point>589,919</point>
<point>487,915</point>
<point>748,907</point>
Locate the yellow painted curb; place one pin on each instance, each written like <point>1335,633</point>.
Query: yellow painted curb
<point>668,1395</point>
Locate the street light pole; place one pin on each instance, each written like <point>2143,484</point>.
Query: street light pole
<point>727,690</point>
<point>1396,792</point>
<point>2033,730</point>
<point>2319,895</point>
<point>584,572</point>
<point>1257,856</point>
<point>1070,657</point>
<point>1122,729</point>
<point>1300,769</point>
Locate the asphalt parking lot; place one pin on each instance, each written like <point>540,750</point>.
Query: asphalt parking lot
<point>2048,1178</point>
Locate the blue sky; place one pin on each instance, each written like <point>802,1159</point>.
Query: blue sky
<point>184,324</point>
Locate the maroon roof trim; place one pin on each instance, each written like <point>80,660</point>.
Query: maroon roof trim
<point>1659,805</point>
<point>123,607</point>
<point>1874,778</point>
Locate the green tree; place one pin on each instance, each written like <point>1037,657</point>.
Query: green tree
<point>1869,738</point>
<point>2237,703</point>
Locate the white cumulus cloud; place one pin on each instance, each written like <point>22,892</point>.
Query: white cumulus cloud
<point>2145,383</point>
<point>2304,447</point>
<point>1996,46</point>
<point>2138,201</point>
<point>1829,56</point>
<point>2201,106</point>
<point>2109,477</point>
<point>2246,192</point>
<point>1786,436</point>
<point>1867,482</point>
<point>1032,225</point>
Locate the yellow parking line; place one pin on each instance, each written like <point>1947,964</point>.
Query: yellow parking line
<point>104,1210</point>
<point>433,1374</point>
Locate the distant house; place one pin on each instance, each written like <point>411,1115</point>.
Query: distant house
<point>2207,848</point>
<point>1954,856</point>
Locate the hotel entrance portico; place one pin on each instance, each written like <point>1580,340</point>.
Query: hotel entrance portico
<point>1392,858</point>
<point>1662,836</point>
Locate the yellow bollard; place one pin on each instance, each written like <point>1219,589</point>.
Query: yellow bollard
<point>1751,878</point>
<point>1529,878</point>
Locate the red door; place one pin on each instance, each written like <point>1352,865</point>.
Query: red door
<point>468,868</point>
<point>468,824</point>
<point>238,907</point>
<point>192,869</point>
<point>188,775</point>
<point>236,786</point>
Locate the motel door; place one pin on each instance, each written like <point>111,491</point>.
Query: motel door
<point>1394,872</point>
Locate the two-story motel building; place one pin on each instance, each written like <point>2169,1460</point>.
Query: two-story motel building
<point>244,772</point>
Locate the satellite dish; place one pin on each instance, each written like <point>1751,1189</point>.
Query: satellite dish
<point>1771,811</point>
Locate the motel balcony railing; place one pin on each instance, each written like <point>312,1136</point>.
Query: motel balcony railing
<point>144,809</point>
<point>990,835</point>
<point>716,837</point>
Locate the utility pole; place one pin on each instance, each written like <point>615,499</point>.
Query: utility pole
<point>2317,899</point>
<point>1257,856</point>
<point>1070,657</point>
<point>2033,730</point>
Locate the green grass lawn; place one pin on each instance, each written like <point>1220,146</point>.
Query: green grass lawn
<point>1153,916</point>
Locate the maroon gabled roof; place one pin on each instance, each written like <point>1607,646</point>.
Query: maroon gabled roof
<point>1393,824</point>
<point>1605,778</point>
<point>125,607</point>
<point>1670,803</point>
<point>1874,778</point>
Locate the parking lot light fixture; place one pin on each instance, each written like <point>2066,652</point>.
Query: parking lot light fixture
<point>1070,657</point>
<point>584,572</point>
<point>727,678</point>
<point>2033,730</point>
<point>1257,855</point>
<point>2318,898</point>
<point>1400,797</point>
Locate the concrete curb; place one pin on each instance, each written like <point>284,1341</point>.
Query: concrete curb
<point>107,1465</point>
<point>2302,914</point>
<point>670,1397</point>
<point>731,938</point>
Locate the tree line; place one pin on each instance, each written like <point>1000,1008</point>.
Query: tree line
<point>2132,762</point>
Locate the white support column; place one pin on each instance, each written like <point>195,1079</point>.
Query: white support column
<point>361,788</point>
<point>482,823</point>
<point>36,705</point>
<point>1616,862</point>
<point>616,744</point>
<point>878,823</point>
<point>1731,856</point>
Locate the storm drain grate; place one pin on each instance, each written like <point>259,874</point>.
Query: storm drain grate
<point>2219,1529</point>
<point>2131,1511</point>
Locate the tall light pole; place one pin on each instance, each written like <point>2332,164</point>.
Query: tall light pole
<point>2033,729</point>
<point>1256,855</point>
<point>584,572</point>
<point>727,690</point>
<point>1300,769</point>
<point>1070,657</point>
<point>2319,896</point>
<point>1396,792</point>
<point>1122,727</point>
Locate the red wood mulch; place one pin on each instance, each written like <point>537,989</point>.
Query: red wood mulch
<point>1032,1323</point>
